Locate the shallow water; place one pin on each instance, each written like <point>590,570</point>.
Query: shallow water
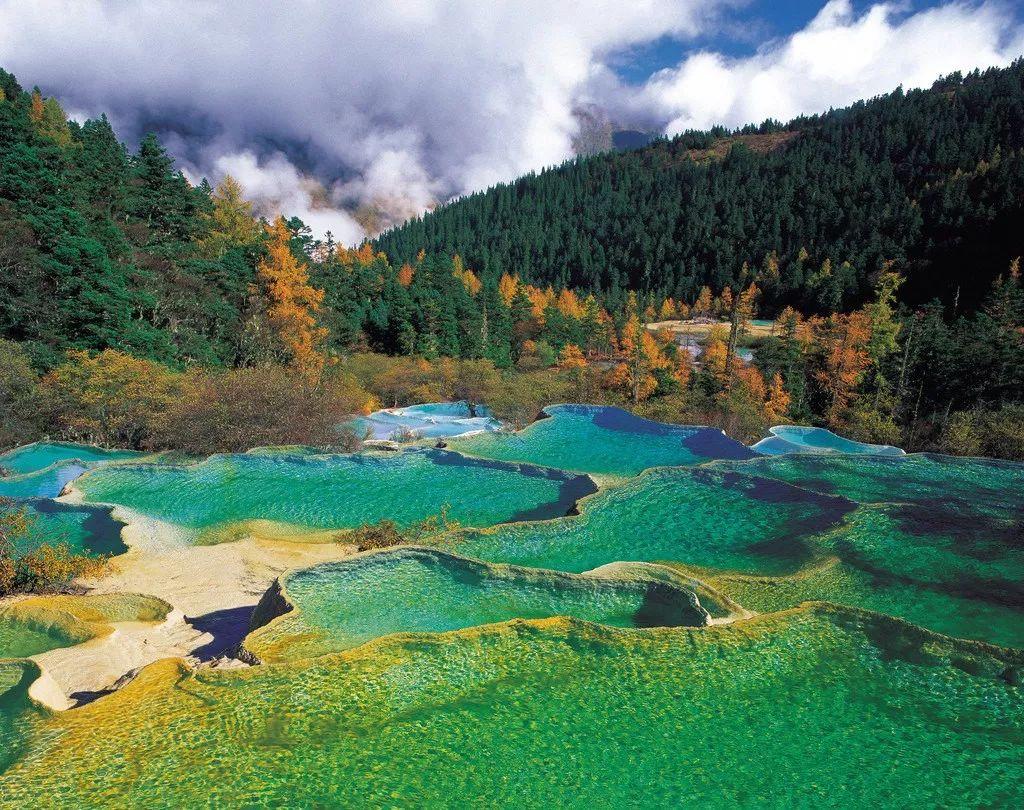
<point>20,639</point>
<point>936,580</point>
<point>34,457</point>
<point>37,474</point>
<point>702,517</point>
<point>939,485</point>
<point>814,706</point>
<point>433,420</point>
<point>317,492</point>
<point>603,440</point>
<point>342,605</point>
<point>45,483</point>
<point>799,439</point>
<point>17,715</point>
<point>804,709</point>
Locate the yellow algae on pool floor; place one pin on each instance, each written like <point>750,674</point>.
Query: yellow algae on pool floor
<point>822,705</point>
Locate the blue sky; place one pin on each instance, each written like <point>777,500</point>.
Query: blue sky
<point>740,31</point>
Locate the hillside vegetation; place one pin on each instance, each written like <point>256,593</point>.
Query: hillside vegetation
<point>138,309</point>
<point>932,180</point>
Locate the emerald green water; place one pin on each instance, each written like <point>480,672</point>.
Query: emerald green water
<point>702,517</point>
<point>602,440</point>
<point>333,491</point>
<point>20,639</point>
<point>16,712</point>
<point>960,490</point>
<point>35,457</point>
<point>342,605</point>
<point>816,705</point>
<point>814,708</point>
<point>45,483</point>
<point>934,580</point>
<point>37,474</point>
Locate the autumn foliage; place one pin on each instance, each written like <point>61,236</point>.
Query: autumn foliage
<point>293,303</point>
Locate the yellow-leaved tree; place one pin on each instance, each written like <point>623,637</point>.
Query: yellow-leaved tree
<point>231,222</point>
<point>571,358</point>
<point>293,303</point>
<point>508,286</point>
<point>465,275</point>
<point>642,356</point>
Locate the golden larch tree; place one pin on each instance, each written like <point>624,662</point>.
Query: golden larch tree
<point>844,339</point>
<point>571,358</point>
<point>405,274</point>
<point>727,302</point>
<point>776,405</point>
<point>232,221</point>
<point>569,305</point>
<point>702,306</point>
<point>508,286</point>
<point>293,303</point>
<point>465,275</point>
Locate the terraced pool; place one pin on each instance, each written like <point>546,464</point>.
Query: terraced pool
<point>705,517</point>
<point>822,706</point>
<point>800,629</point>
<point>603,440</point>
<point>336,606</point>
<point>38,456</point>
<point>305,492</point>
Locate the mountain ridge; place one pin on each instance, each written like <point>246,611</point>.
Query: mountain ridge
<point>930,180</point>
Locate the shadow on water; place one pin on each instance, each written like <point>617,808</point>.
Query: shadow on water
<point>827,511</point>
<point>666,606</point>
<point>572,487</point>
<point>101,533</point>
<point>976,535</point>
<point>956,584</point>
<point>702,441</point>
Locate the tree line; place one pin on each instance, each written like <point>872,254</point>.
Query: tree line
<point>930,179</point>
<point>140,310</point>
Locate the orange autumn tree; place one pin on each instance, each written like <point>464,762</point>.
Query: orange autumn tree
<point>540,300</point>
<point>741,311</point>
<point>293,303</point>
<point>641,357</point>
<point>365,255</point>
<point>727,302</point>
<point>776,405</point>
<point>571,358</point>
<point>49,119</point>
<point>405,274</point>
<point>683,368</point>
<point>844,339</point>
<point>569,305</point>
<point>714,359</point>
<point>508,286</point>
<point>702,306</point>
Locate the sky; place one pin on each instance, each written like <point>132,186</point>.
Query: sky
<point>354,115</point>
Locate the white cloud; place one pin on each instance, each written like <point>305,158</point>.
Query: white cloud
<point>278,188</point>
<point>837,58</point>
<point>383,108</point>
<point>444,96</point>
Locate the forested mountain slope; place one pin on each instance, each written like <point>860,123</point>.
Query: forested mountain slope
<point>932,180</point>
